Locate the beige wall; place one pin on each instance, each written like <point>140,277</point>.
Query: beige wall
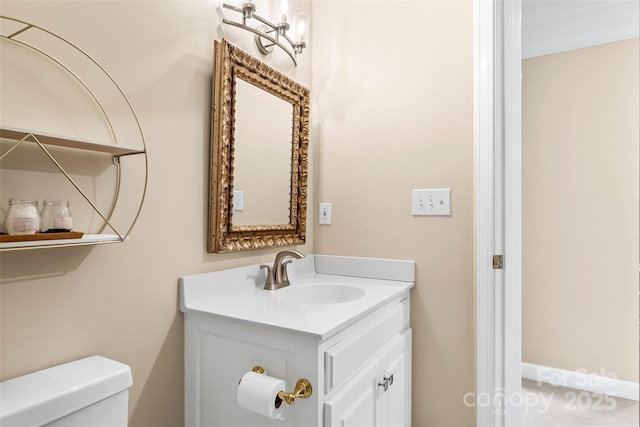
<point>392,112</point>
<point>121,301</point>
<point>580,209</point>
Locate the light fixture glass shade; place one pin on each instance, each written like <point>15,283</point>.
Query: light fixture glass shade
<point>284,9</point>
<point>300,28</point>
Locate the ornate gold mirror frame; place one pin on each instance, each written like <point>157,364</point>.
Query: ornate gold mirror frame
<point>232,63</point>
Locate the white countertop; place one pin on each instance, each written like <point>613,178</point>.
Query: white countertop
<point>238,293</point>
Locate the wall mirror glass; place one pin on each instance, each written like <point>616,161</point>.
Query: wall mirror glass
<point>259,155</point>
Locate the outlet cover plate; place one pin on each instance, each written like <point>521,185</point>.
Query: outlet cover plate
<point>238,200</point>
<point>324,214</point>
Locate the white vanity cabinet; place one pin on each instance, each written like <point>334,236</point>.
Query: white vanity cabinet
<point>357,355</point>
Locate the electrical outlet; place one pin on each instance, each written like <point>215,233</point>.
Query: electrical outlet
<point>325,213</point>
<point>238,200</point>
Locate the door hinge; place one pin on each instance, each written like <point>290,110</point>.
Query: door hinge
<point>498,262</point>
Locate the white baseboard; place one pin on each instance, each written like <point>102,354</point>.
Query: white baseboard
<point>582,381</point>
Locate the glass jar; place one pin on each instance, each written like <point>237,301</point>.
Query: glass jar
<point>56,216</point>
<point>23,216</point>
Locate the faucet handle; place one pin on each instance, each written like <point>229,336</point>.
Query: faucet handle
<point>285,275</point>
<point>269,282</point>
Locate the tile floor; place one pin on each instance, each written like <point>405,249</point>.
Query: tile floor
<point>546,405</point>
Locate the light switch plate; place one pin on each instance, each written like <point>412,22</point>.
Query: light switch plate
<point>433,202</point>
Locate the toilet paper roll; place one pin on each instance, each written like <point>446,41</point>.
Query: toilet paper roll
<point>259,393</point>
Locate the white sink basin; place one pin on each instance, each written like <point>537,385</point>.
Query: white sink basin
<point>320,293</point>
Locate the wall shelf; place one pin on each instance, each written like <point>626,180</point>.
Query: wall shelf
<point>43,139</point>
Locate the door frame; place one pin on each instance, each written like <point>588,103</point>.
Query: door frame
<point>497,123</point>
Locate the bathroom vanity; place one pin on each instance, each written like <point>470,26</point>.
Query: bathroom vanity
<point>342,324</point>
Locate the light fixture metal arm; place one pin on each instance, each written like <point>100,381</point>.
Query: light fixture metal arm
<point>266,22</point>
<point>261,34</point>
<point>254,15</point>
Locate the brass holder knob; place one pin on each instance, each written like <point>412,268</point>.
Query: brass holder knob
<point>302,391</point>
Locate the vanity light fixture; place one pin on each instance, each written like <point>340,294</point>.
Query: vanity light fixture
<point>267,34</point>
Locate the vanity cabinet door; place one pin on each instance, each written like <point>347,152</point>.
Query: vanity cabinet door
<point>365,401</point>
<point>395,402</point>
<point>355,405</point>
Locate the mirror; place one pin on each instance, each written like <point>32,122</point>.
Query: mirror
<point>262,157</point>
<point>259,155</point>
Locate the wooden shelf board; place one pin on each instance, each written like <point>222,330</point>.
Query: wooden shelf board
<point>60,141</point>
<point>8,238</point>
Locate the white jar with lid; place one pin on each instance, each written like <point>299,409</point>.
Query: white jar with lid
<point>56,216</point>
<point>23,216</point>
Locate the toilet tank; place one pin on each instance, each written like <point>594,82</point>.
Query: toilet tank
<point>88,392</point>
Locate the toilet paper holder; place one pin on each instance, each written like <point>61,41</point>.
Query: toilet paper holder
<point>302,390</point>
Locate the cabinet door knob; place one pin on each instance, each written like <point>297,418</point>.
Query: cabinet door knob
<point>384,384</point>
<point>389,379</point>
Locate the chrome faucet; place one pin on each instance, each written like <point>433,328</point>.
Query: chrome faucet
<point>277,277</point>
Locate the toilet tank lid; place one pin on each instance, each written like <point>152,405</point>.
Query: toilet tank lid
<point>41,397</point>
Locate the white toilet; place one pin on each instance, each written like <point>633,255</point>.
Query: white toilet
<point>88,392</point>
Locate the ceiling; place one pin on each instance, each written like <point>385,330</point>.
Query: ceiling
<point>550,26</point>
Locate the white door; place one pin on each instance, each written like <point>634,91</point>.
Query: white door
<point>497,101</point>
